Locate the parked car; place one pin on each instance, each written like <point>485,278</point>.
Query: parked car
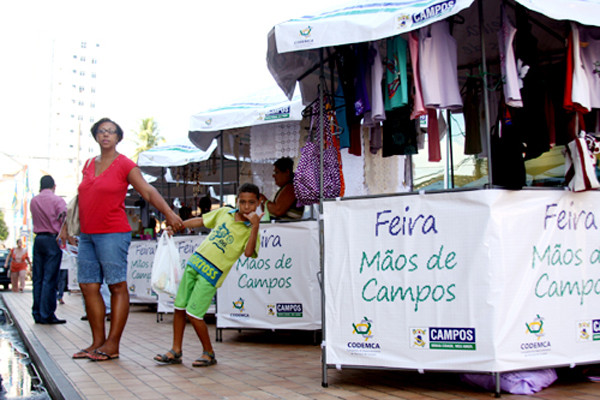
<point>4,273</point>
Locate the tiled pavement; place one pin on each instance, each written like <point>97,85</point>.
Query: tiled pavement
<point>251,365</point>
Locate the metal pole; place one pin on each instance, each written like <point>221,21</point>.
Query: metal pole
<point>450,155</point>
<point>221,173</point>
<point>321,223</point>
<point>486,101</point>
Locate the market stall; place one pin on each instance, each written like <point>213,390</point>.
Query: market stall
<point>139,265</point>
<point>183,170</point>
<point>449,281</point>
<point>279,289</point>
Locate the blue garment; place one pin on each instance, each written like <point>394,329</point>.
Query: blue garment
<point>63,274</point>
<point>46,265</point>
<point>102,257</point>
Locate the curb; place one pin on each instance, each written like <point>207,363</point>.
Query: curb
<point>55,382</point>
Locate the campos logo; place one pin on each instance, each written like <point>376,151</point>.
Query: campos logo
<point>588,330</point>
<point>584,329</point>
<point>271,310</point>
<point>403,20</point>
<point>419,338</point>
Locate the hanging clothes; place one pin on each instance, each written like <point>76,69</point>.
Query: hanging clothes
<point>376,135</point>
<point>508,166</point>
<point>508,63</point>
<point>340,114</point>
<point>418,106</point>
<point>529,122</point>
<point>362,104</point>
<point>399,133</point>
<point>471,113</point>
<point>383,174</point>
<point>354,174</point>
<point>580,90</point>
<point>374,89</point>
<point>590,58</point>
<point>438,67</point>
<point>433,136</point>
<point>396,90</point>
<point>346,65</point>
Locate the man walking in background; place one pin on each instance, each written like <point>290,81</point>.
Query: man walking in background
<point>48,212</point>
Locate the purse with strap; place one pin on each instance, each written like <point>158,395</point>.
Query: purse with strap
<point>72,218</point>
<point>306,177</point>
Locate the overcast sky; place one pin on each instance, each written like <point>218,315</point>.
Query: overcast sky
<point>161,59</point>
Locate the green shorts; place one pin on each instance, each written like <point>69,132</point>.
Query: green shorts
<point>194,294</point>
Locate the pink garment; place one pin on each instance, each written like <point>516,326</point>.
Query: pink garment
<point>433,135</point>
<point>47,211</point>
<point>418,106</point>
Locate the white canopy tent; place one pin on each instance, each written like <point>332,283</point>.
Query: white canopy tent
<point>236,119</point>
<point>231,127</point>
<point>293,46</point>
<point>180,168</point>
<point>298,49</point>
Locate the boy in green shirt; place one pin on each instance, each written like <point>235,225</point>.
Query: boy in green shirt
<point>233,232</point>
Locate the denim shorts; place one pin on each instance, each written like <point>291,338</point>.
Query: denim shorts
<point>103,256</point>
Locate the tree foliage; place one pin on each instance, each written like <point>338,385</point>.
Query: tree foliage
<point>148,137</point>
<point>3,227</point>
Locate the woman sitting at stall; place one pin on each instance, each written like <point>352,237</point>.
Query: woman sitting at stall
<point>283,205</point>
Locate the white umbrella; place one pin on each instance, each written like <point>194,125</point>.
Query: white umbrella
<point>293,46</point>
<point>269,107</point>
<point>173,154</point>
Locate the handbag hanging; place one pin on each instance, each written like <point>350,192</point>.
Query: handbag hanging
<point>306,178</point>
<point>580,163</point>
<point>72,218</point>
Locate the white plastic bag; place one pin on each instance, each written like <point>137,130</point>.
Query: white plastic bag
<point>166,269</point>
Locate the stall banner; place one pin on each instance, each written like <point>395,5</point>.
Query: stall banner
<point>279,289</point>
<point>488,280</point>
<point>139,266</point>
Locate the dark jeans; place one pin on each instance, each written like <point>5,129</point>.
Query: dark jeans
<point>46,264</point>
<point>62,282</point>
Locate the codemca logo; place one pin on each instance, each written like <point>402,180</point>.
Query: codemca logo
<point>535,330</point>
<point>208,122</point>
<point>588,331</point>
<point>238,305</point>
<point>364,343</point>
<point>435,338</point>
<point>305,38</point>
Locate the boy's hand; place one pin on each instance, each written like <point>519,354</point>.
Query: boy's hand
<point>254,218</point>
<point>169,230</point>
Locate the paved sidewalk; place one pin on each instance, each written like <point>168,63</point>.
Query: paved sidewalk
<point>251,365</point>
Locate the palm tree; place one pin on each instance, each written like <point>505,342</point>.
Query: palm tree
<point>147,137</point>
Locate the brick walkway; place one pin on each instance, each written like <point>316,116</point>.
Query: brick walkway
<point>251,365</point>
